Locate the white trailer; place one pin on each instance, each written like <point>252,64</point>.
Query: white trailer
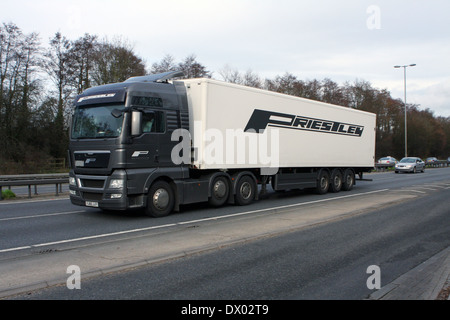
<point>310,133</point>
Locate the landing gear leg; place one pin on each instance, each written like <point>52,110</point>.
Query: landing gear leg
<point>263,192</point>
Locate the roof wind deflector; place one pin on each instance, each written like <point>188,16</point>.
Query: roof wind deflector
<point>160,77</point>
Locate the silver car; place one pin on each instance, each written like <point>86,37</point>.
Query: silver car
<point>387,160</point>
<point>410,164</point>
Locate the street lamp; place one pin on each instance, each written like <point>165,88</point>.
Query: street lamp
<point>406,128</point>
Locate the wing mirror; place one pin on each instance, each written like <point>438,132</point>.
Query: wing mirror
<point>136,123</point>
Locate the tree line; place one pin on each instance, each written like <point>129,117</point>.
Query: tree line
<point>39,82</point>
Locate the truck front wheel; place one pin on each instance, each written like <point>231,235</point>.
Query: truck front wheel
<point>161,200</point>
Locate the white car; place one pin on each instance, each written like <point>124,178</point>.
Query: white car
<point>410,164</point>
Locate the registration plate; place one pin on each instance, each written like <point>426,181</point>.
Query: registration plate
<point>92,204</point>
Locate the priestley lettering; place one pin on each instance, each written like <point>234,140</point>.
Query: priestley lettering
<point>260,119</point>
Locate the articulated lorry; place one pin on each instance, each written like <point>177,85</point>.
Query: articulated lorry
<point>156,143</point>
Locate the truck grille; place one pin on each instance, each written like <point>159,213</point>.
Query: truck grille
<point>87,183</point>
<point>92,196</point>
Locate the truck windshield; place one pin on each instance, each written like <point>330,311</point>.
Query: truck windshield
<point>96,122</point>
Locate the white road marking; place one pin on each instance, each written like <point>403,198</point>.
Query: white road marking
<point>186,222</point>
<point>410,190</point>
<point>30,201</point>
<point>41,215</point>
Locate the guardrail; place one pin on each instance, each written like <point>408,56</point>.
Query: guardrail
<point>34,180</point>
<point>439,163</point>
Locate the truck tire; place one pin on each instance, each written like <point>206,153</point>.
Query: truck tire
<point>323,182</point>
<point>348,180</point>
<point>220,190</point>
<point>245,191</point>
<point>161,200</point>
<point>336,180</point>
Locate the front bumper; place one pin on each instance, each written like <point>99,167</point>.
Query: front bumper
<point>95,191</point>
<point>116,204</point>
<point>404,169</point>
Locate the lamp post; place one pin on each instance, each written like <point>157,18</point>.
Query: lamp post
<point>406,128</point>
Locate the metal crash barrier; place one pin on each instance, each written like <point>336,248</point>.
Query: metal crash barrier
<point>34,180</point>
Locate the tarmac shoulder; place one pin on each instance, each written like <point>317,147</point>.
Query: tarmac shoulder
<point>428,281</point>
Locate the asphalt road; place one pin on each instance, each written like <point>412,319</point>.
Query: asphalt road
<point>326,260</point>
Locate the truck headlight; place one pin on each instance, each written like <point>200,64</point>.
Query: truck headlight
<point>72,181</point>
<point>116,184</point>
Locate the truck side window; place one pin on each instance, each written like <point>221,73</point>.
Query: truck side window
<point>153,122</point>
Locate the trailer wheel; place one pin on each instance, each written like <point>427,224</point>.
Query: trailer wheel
<point>161,200</point>
<point>336,181</point>
<point>245,191</point>
<point>220,189</point>
<point>323,182</point>
<point>348,180</point>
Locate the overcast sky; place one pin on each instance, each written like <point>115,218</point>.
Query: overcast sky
<point>313,39</point>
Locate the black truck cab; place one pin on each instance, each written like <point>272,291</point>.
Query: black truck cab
<point>120,140</point>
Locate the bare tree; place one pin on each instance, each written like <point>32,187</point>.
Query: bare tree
<point>288,84</point>
<point>116,61</point>
<point>83,53</point>
<point>193,69</point>
<point>10,62</point>
<point>231,75</point>
<point>165,65</point>
<point>19,58</point>
<point>251,79</point>
<point>30,86</point>
<point>332,93</point>
<point>61,70</point>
